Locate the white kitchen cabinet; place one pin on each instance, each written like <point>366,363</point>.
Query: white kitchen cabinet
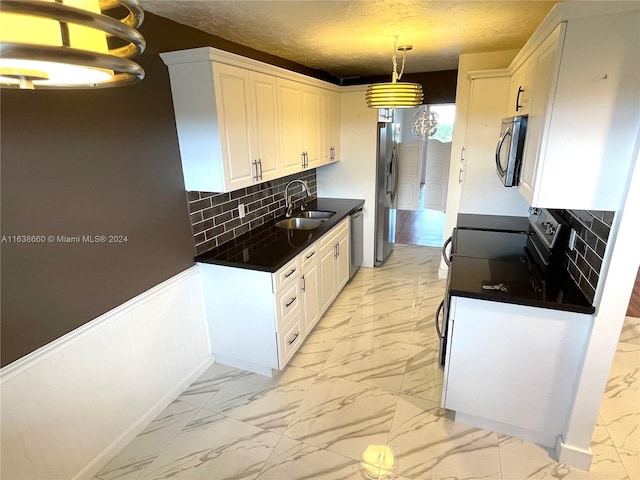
<point>519,100</point>
<point>311,123</point>
<point>334,126</point>
<point>512,368</point>
<point>482,192</point>
<point>242,122</point>
<point>266,135</point>
<point>329,127</point>
<point>291,126</point>
<point>584,114</point>
<point>334,263</point>
<point>310,272</point>
<point>257,320</point>
<point>226,119</point>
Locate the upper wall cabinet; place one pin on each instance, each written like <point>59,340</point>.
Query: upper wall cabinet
<point>241,122</point>
<point>584,108</point>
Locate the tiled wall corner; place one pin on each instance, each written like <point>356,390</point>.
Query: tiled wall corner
<point>584,263</point>
<point>215,219</point>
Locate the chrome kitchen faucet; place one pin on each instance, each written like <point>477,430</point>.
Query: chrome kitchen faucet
<point>288,198</point>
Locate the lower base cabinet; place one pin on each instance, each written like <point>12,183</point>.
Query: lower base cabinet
<point>512,368</point>
<point>257,320</point>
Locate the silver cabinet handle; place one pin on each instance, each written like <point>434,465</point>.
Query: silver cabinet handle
<point>335,250</point>
<point>290,302</point>
<point>287,275</point>
<point>294,338</point>
<point>460,175</point>
<point>260,163</point>
<point>338,248</point>
<point>304,284</point>
<point>302,157</point>
<point>462,154</point>
<point>256,177</point>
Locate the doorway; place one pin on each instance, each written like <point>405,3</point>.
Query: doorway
<point>424,176</point>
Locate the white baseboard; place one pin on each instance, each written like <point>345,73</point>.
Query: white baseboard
<point>118,444</point>
<point>541,438</point>
<point>242,365</point>
<point>573,456</point>
<point>71,404</point>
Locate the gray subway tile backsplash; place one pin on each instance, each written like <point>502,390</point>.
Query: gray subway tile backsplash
<point>215,219</point>
<point>584,264</point>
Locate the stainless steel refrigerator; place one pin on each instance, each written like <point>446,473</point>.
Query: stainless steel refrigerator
<point>386,189</point>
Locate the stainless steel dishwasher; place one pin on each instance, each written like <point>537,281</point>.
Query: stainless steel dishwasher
<point>356,242</point>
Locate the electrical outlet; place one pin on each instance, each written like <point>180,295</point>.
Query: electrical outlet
<point>572,239</point>
<point>242,210</point>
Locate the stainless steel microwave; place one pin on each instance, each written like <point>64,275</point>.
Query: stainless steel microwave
<point>509,149</point>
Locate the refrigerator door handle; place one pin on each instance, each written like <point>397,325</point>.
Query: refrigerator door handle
<point>394,170</point>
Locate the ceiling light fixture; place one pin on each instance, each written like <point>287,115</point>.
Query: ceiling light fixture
<point>395,94</point>
<point>425,123</point>
<point>62,44</point>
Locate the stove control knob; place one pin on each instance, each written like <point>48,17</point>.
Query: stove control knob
<point>548,228</point>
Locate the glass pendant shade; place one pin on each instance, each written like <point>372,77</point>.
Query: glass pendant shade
<point>394,95</point>
<point>425,123</point>
<point>64,44</point>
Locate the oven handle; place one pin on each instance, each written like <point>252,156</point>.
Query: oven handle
<point>446,258</point>
<point>440,308</point>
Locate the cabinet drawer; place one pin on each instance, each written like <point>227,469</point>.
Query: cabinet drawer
<point>335,232</point>
<point>286,275</point>
<point>288,302</point>
<point>289,339</point>
<point>309,256</point>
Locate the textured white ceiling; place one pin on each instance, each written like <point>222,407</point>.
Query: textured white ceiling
<point>355,38</point>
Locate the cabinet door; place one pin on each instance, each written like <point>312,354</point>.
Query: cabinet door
<point>309,288</point>
<point>544,65</point>
<point>325,127</point>
<point>266,135</point>
<point>520,89</point>
<point>327,275</point>
<point>311,124</point>
<point>233,99</point>
<point>514,364</point>
<point>334,125</point>
<point>343,260</point>
<point>290,110</point>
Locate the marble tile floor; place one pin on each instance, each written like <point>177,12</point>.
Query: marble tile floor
<point>360,400</point>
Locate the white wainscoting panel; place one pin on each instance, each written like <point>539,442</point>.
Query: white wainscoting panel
<point>68,407</point>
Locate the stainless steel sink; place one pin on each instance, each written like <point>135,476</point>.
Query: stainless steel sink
<point>299,223</point>
<point>315,214</point>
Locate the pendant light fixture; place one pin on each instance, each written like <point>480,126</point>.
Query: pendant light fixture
<point>395,94</point>
<point>425,123</point>
<point>69,44</point>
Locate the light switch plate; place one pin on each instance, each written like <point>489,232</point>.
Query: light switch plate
<point>242,211</point>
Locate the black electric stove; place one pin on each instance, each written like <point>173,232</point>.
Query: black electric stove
<point>509,260</point>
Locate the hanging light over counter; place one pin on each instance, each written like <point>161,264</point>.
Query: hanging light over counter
<point>64,44</point>
<point>395,94</point>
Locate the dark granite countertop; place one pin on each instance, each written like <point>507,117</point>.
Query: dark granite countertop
<point>526,284</point>
<point>267,248</point>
